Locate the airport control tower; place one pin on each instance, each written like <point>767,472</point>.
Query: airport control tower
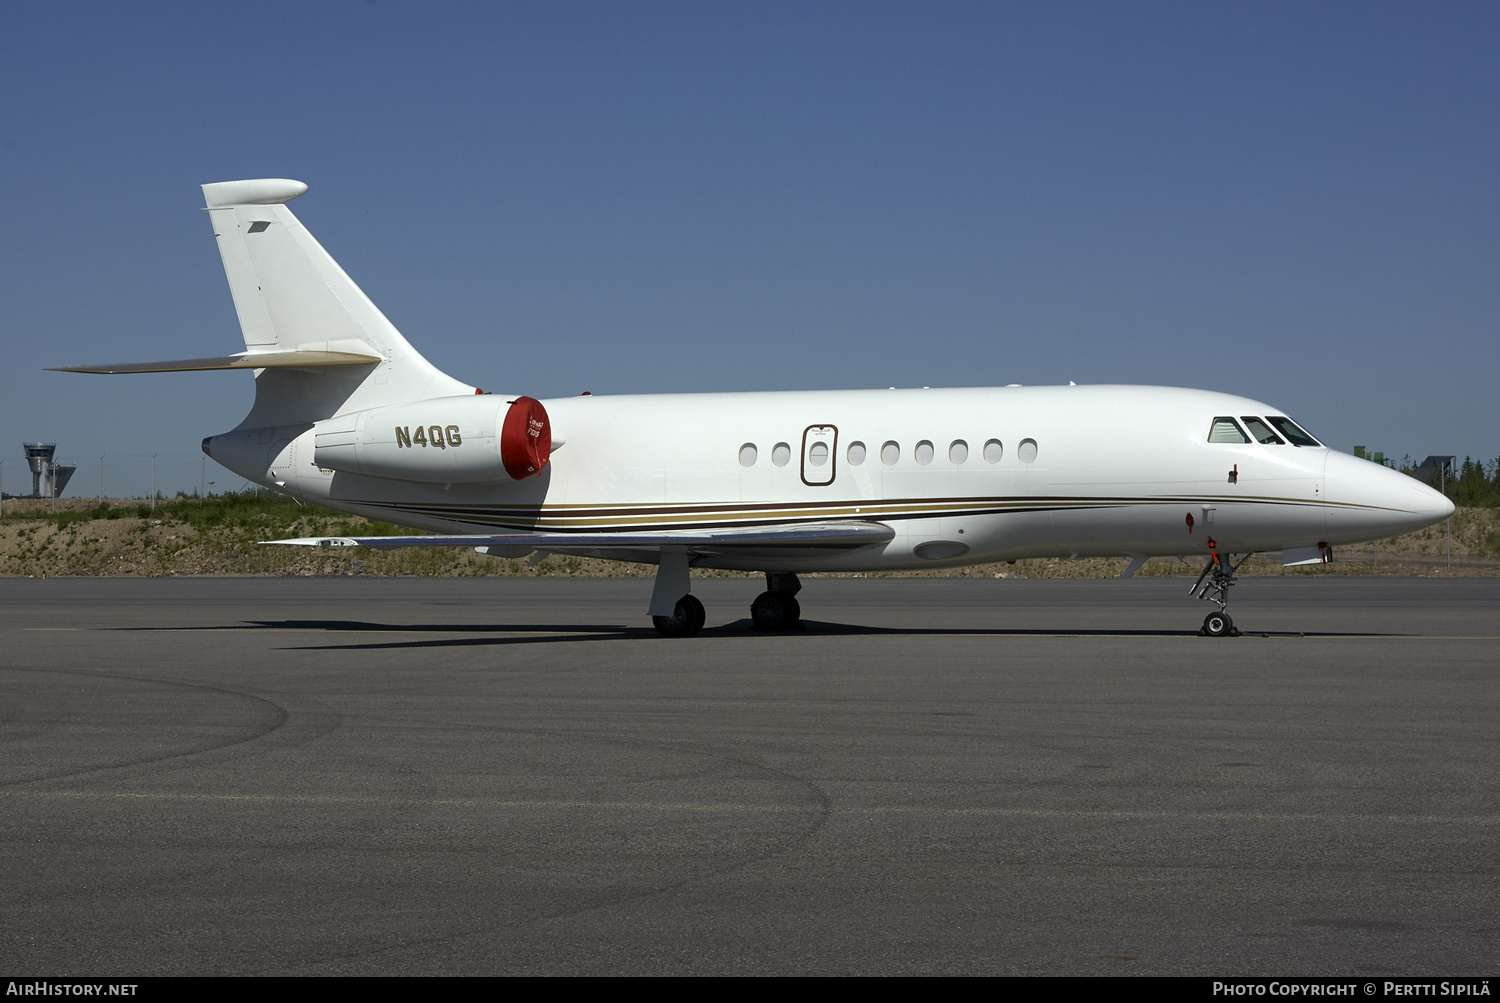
<point>47,478</point>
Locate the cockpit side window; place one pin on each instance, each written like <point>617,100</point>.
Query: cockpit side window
<point>1226,430</point>
<point>1289,428</point>
<point>1260,431</point>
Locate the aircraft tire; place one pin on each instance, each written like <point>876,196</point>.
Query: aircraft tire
<point>686,620</point>
<point>776,611</point>
<point>1217,625</point>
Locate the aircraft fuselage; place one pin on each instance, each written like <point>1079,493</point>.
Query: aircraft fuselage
<point>963,476</point>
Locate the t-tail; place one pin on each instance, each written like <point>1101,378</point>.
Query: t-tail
<point>292,297</point>
<point>333,376</point>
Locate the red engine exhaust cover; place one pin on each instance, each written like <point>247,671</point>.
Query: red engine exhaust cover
<point>525,438</point>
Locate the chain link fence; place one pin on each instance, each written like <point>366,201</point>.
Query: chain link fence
<point>129,476</point>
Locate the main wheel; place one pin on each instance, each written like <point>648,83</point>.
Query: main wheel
<point>775,611</point>
<point>1217,624</point>
<point>686,619</point>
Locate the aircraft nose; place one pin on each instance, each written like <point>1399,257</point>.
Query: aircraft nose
<point>1434,505</point>
<point>1367,500</point>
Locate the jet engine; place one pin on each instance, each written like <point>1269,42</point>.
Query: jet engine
<point>442,440</point>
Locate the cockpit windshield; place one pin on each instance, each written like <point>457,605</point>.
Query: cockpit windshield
<point>1226,429</point>
<point>1289,428</point>
<point>1261,431</point>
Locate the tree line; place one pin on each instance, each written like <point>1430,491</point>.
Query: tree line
<point>1474,484</point>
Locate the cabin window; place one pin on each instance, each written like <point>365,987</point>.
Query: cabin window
<point>781,454</point>
<point>748,454</point>
<point>993,451</point>
<point>1289,428</point>
<point>923,452</point>
<point>890,453</point>
<point>1260,431</point>
<point>1226,430</point>
<point>856,453</point>
<point>817,455</point>
<point>958,451</point>
<point>1026,451</point>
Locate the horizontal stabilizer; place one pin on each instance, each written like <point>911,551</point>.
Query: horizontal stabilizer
<point>318,346</point>
<point>240,360</point>
<point>832,536</point>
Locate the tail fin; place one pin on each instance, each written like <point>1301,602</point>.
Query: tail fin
<point>292,296</point>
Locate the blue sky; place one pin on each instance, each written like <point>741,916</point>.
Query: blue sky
<point>1298,202</point>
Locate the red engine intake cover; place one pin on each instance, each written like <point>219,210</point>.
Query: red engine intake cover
<point>525,438</point>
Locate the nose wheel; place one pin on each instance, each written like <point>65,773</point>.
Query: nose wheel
<point>1213,586</point>
<point>1218,625</point>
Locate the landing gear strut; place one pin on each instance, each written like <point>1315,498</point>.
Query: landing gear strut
<point>1216,590</point>
<point>674,610</point>
<point>777,607</point>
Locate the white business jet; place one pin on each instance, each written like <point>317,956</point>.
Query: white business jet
<point>348,415</point>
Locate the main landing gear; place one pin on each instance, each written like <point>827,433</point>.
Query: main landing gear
<point>685,621</point>
<point>1216,590</point>
<point>674,610</point>
<point>774,609</point>
<point>777,607</point>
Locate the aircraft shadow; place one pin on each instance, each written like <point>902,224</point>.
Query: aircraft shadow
<point>542,633</point>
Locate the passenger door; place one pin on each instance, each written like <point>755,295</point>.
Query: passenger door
<point>819,455</point>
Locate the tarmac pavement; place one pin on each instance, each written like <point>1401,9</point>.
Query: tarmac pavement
<point>937,776</point>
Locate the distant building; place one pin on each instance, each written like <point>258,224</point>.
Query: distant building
<point>1380,458</point>
<point>1432,464</point>
<point>47,478</point>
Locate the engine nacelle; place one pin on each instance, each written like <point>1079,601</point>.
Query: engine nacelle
<point>443,440</point>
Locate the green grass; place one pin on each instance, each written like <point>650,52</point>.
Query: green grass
<point>1491,544</point>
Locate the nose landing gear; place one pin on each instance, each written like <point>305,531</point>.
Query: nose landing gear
<point>1216,590</point>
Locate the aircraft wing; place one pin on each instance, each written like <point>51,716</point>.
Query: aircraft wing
<point>827,536</point>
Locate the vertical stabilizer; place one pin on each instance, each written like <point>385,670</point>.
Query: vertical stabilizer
<point>291,295</point>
